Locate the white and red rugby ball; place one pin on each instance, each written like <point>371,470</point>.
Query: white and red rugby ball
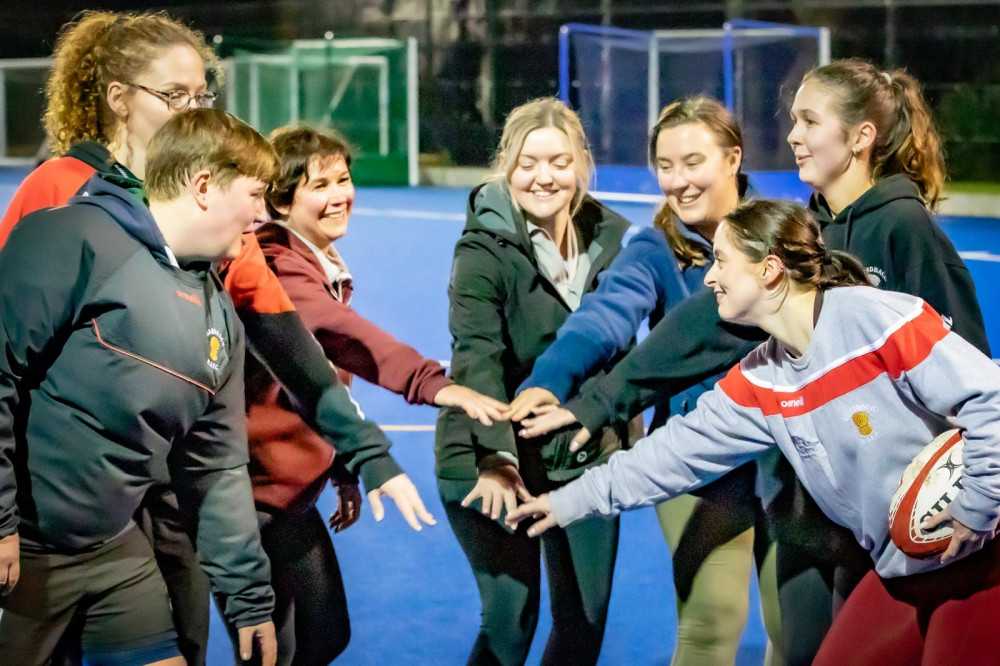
<point>929,484</point>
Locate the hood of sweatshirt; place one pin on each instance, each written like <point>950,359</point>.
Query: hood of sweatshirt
<point>491,210</point>
<point>117,196</point>
<point>882,193</point>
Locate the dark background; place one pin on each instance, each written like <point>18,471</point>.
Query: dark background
<point>480,58</point>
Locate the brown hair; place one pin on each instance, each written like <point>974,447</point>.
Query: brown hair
<point>786,230</point>
<point>537,114</point>
<point>717,119</point>
<point>297,147</point>
<point>93,51</point>
<point>206,139</point>
<point>906,141</point>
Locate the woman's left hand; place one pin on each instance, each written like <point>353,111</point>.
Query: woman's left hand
<point>546,419</point>
<point>962,535</point>
<point>349,501</point>
<point>478,406</point>
<point>538,508</point>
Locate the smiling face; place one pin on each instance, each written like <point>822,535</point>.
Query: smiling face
<point>323,199</point>
<point>544,180</point>
<point>822,146</point>
<point>697,175</point>
<point>737,282</point>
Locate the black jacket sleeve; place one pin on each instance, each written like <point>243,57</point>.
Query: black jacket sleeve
<point>210,478</point>
<point>287,348</point>
<point>479,340</point>
<point>690,344</point>
<point>43,275</point>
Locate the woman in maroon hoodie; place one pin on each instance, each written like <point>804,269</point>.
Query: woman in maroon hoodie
<point>290,463</point>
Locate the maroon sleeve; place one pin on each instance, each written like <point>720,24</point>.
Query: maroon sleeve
<point>352,342</point>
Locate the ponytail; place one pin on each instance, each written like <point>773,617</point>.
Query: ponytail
<point>906,141</point>
<point>763,227</point>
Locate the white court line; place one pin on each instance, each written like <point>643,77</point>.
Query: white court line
<point>980,255</point>
<point>407,428</point>
<point>410,214</point>
<point>627,197</point>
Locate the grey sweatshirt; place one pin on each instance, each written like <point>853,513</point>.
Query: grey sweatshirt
<point>880,379</point>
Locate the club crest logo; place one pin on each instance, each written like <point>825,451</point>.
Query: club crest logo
<point>876,275</point>
<point>862,422</point>
<point>217,355</point>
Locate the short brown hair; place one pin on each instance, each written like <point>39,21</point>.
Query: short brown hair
<point>297,147</point>
<point>93,51</point>
<point>206,139</point>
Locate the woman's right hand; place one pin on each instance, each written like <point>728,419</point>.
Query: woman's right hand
<point>528,400</point>
<point>498,487</point>
<point>407,499</point>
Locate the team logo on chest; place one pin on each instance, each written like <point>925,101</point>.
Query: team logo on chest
<point>217,353</point>
<point>862,418</point>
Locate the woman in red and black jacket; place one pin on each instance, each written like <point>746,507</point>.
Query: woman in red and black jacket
<point>116,79</point>
<point>290,464</point>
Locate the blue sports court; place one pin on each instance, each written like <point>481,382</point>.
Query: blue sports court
<point>412,596</point>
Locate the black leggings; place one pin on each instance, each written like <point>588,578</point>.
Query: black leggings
<point>579,562</point>
<point>310,607</point>
<point>819,563</point>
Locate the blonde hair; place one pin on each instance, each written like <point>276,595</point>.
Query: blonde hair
<point>698,110</point>
<point>208,139</point>
<point>93,51</point>
<point>538,114</point>
<point>905,139</point>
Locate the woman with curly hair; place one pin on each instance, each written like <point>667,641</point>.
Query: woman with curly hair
<point>116,80</point>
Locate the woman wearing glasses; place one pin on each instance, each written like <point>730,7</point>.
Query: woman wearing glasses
<point>116,79</point>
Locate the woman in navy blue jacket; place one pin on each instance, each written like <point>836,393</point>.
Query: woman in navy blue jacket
<point>696,149</point>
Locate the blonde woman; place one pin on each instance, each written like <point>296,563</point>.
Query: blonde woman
<point>533,245</point>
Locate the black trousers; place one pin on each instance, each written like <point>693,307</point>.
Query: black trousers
<point>310,613</point>
<point>579,562</point>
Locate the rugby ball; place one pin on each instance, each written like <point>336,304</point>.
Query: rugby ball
<point>929,484</point>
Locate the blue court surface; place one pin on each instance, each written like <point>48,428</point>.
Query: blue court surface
<point>412,596</point>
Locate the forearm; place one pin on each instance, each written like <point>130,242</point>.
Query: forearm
<point>690,344</point>
<point>290,352</point>
<point>228,541</point>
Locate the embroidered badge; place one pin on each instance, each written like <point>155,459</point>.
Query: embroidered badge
<point>861,422</point>
<point>216,349</point>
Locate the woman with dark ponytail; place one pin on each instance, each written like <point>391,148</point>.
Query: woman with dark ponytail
<point>836,346</point>
<point>864,140</point>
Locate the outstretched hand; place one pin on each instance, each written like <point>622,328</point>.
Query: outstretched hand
<point>407,499</point>
<point>538,507</point>
<point>480,407</point>
<point>529,400</point>
<point>349,501</point>
<point>549,418</point>
<point>960,536</point>
<point>499,487</point>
